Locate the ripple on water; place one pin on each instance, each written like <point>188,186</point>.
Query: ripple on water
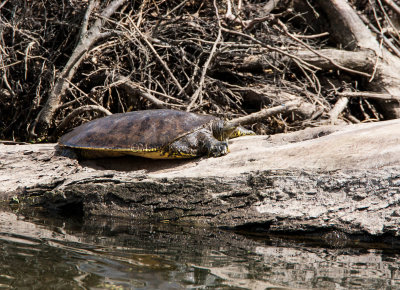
<point>58,253</point>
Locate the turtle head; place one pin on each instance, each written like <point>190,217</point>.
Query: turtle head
<point>222,130</point>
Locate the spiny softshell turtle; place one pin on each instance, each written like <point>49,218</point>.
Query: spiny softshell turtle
<point>156,134</point>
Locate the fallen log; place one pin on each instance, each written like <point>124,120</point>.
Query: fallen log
<point>329,178</point>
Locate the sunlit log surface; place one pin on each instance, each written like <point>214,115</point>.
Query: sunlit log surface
<point>344,178</point>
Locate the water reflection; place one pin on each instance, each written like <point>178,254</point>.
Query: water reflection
<point>43,253</point>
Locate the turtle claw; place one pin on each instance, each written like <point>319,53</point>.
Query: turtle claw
<point>218,149</point>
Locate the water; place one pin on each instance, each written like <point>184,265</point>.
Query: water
<point>60,253</point>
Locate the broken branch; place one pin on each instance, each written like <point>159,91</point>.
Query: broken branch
<point>265,113</point>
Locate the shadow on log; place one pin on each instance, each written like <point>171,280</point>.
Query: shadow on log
<point>330,178</point>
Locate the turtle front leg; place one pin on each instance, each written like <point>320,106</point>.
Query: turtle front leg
<point>197,144</point>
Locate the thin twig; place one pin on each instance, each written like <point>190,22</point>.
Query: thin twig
<point>323,34</point>
<point>27,50</point>
<point>162,62</point>
<point>266,10</point>
<point>78,111</point>
<point>388,19</point>
<point>271,48</point>
<point>207,63</point>
<point>377,60</point>
<point>339,107</point>
<point>387,42</point>
<point>4,3</point>
<point>130,86</point>
<point>393,6</point>
<point>86,17</point>
<point>371,95</point>
<point>320,54</point>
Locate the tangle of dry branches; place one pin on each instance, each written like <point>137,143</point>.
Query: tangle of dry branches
<point>68,62</point>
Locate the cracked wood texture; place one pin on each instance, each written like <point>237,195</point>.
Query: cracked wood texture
<point>335,177</point>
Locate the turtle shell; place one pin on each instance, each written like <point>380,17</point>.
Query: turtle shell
<point>141,132</point>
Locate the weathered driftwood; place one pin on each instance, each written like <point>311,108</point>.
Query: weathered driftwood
<point>344,178</point>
